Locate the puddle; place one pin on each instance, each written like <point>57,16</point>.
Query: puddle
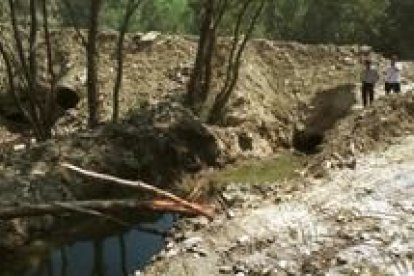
<point>112,255</point>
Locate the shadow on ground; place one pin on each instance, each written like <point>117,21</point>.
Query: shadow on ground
<point>326,109</point>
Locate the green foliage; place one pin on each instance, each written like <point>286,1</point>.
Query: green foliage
<point>385,24</point>
<point>166,15</point>
<point>284,19</point>
<point>77,12</point>
<point>175,16</point>
<point>400,28</point>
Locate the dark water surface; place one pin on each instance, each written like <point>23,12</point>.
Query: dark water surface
<point>113,255</point>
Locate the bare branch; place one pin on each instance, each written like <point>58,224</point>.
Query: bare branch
<point>18,38</point>
<point>28,70</point>
<point>12,85</point>
<point>235,60</point>
<point>235,43</point>
<point>75,208</point>
<point>58,208</point>
<point>130,9</point>
<point>140,186</point>
<point>49,60</point>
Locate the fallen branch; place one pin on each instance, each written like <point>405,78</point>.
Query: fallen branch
<point>141,186</point>
<point>57,208</point>
<point>94,213</point>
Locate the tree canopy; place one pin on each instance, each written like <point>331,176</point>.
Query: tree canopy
<point>384,24</point>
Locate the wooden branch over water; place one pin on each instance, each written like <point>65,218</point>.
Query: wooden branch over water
<point>143,187</point>
<point>57,208</point>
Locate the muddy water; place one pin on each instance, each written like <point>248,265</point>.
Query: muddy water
<point>116,254</point>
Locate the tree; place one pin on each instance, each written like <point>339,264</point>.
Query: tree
<point>92,52</point>
<point>166,16</point>
<point>75,12</point>
<point>248,16</point>
<point>33,97</point>
<point>130,9</point>
<point>90,43</point>
<point>92,63</point>
<point>399,30</point>
<point>200,80</point>
<point>246,13</point>
<point>284,18</point>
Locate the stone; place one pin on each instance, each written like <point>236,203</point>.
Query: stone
<point>340,260</point>
<point>171,253</point>
<point>240,268</point>
<point>150,36</point>
<point>192,242</point>
<point>243,240</point>
<point>19,147</point>
<point>178,236</point>
<point>266,271</point>
<point>349,61</point>
<point>202,252</point>
<point>201,222</point>
<point>230,214</point>
<point>225,269</point>
<point>283,264</point>
<point>169,245</point>
<point>365,49</point>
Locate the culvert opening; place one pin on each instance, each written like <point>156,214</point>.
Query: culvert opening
<point>308,142</point>
<point>67,97</point>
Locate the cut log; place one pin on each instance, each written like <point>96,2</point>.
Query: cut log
<point>141,186</point>
<point>57,208</point>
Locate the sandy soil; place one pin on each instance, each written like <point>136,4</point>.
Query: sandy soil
<point>354,222</point>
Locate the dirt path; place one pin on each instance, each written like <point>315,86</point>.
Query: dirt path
<point>355,222</point>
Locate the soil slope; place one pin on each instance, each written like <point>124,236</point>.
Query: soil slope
<point>285,89</point>
<point>355,222</point>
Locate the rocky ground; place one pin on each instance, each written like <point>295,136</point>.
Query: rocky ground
<point>364,130</point>
<point>285,88</point>
<point>354,222</point>
<point>277,81</point>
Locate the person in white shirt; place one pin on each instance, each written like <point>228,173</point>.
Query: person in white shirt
<point>393,77</point>
<point>369,78</point>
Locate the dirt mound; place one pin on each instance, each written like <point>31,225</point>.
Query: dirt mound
<point>158,145</point>
<point>365,130</point>
<point>277,80</point>
<point>284,89</point>
<point>352,223</point>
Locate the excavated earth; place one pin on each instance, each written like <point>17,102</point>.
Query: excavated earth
<point>353,222</point>
<point>289,97</point>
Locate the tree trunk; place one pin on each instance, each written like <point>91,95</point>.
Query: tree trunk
<point>234,62</point>
<point>129,11</point>
<point>200,77</point>
<point>92,64</point>
<point>51,99</point>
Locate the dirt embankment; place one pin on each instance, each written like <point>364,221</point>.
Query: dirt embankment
<point>366,130</point>
<point>280,102</point>
<point>354,222</point>
<point>278,80</point>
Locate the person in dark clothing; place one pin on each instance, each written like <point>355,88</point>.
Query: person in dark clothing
<point>369,78</point>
